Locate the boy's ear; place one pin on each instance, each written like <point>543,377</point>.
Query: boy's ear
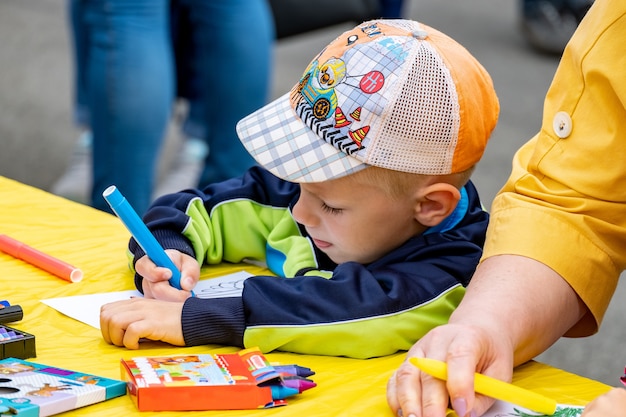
<point>435,203</point>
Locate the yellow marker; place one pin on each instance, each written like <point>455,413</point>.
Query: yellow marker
<point>492,387</point>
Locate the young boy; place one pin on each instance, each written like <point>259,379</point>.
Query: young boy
<point>363,208</point>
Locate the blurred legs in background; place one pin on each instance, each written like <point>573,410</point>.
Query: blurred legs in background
<point>132,58</point>
<point>124,89</point>
<point>223,58</point>
<point>548,25</point>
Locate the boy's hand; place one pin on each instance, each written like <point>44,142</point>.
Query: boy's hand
<point>124,323</point>
<point>155,279</point>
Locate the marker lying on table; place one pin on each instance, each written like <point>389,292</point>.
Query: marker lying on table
<point>493,387</point>
<point>9,314</point>
<point>41,260</point>
<point>122,208</point>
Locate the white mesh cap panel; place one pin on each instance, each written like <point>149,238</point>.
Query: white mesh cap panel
<point>420,133</point>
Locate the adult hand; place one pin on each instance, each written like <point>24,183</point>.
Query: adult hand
<point>466,349</point>
<point>155,279</point>
<point>124,323</point>
<point>497,326</point>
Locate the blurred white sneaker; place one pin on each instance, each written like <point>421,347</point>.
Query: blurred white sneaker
<point>186,169</point>
<point>75,183</point>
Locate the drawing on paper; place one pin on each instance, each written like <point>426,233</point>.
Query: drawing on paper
<point>560,412</point>
<point>222,289</point>
<point>505,409</point>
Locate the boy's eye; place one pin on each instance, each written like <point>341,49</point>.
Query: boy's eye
<point>330,209</point>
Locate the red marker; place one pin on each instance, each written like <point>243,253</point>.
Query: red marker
<point>41,260</point>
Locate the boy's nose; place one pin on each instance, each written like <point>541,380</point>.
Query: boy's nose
<point>302,213</point>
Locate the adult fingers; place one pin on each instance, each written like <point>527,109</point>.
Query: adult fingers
<point>414,392</point>
<point>475,350</point>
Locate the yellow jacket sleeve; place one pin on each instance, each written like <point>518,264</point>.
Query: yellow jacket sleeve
<point>565,201</point>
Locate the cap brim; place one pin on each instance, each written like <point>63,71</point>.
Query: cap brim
<point>279,141</point>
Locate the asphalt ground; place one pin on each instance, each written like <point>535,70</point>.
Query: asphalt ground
<point>37,135</point>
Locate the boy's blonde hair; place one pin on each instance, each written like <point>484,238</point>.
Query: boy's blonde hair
<point>399,184</point>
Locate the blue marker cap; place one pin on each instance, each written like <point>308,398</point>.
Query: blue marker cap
<point>122,208</point>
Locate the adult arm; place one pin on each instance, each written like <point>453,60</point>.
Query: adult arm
<point>514,308</point>
<point>554,248</point>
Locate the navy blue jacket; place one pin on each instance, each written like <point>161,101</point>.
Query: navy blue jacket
<point>313,305</point>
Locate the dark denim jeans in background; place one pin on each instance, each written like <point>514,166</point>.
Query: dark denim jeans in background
<point>130,67</point>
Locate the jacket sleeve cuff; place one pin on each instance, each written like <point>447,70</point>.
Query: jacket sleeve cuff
<point>168,240</point>
<point>213,321</point>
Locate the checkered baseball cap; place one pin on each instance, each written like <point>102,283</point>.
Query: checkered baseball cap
<point>394,94</point>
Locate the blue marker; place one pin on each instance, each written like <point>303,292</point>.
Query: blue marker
<point>122,208</point>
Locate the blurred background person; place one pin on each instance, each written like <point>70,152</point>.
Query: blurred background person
<point>124,89</point>
<point>223,55</point>
<point>392,9</point>
<point>132,58</point>
<point>547,25</point>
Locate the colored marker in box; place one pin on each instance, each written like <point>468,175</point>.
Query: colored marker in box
<point>16,344</point>
<point>300,383</point>
<point>293,369</point>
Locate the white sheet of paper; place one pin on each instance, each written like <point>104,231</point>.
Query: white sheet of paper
<point>86,308</point>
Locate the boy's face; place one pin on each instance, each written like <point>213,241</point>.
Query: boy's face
<point>354,221</point>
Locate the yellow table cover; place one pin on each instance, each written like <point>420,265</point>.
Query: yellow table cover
<point>96,242</point>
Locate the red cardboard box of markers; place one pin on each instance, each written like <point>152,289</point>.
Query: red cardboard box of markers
<point>241,380</point>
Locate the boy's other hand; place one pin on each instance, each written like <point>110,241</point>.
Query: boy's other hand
<point>155,279</point>
<point>124,323</point>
